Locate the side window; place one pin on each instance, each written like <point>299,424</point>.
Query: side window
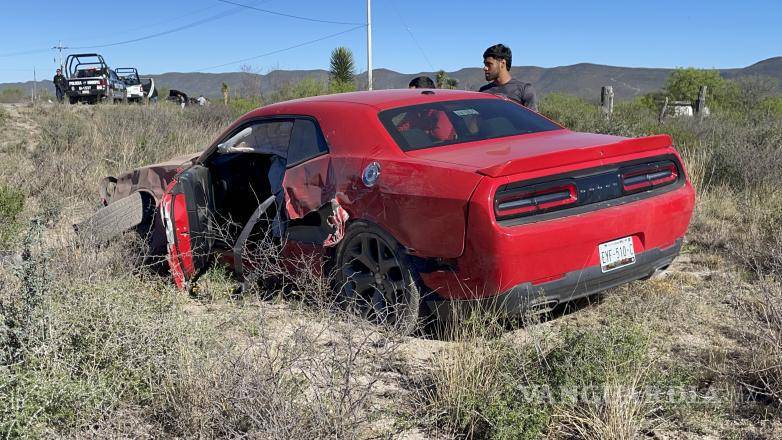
<point>306,142</point>
<point>271,137</point>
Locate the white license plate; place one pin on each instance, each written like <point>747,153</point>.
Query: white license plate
<point>616,254</point>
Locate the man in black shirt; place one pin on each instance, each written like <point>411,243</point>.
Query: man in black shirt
<point>60,85</point>
<point>496,68</point>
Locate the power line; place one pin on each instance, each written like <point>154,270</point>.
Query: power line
<point>146,37</point>
<point>407,28</point>
<point>160,34</point>
<point>167,21</point>
<point>26,52</point>
<point>282,50</point>
<point>316,20</point>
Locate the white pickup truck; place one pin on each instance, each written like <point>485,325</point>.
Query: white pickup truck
<point>137,88</point>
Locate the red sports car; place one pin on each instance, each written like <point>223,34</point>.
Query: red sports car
<point>425,198</point>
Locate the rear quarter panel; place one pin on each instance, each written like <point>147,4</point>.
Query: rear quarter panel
<point>422,204</point>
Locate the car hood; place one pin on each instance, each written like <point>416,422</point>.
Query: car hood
<point>152,179</point>
<point>515,154</point>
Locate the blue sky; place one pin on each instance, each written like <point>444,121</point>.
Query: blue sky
<point>451,34</point>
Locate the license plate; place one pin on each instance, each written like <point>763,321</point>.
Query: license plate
<point>616,254</point>
<point>85,92</point>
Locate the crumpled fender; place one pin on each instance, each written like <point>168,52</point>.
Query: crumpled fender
<point>152,179</point>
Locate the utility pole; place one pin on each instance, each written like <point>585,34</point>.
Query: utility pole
<point>35,82</point>
<point>369,44</point>
<point>60,47</point>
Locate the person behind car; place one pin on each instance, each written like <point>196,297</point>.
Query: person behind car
<point>432,122</point>
<point>60,84</point>
<point>421,82</point>
<point>496,69</point>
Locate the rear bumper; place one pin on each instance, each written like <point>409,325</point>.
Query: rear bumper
<point>577,284</point>
<point>93,93</point>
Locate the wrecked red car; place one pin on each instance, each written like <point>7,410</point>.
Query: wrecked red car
<point>426,198</point>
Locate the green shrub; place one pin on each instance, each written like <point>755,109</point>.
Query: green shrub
<point>240,106</point>
<point>490,388</point>
<point>572,112</point>
<point>772,105</point>
<point>302,89</point>
<point>684,84</point>
<point>13,94</point>
<point>107,344</point>
<point>11,205</point>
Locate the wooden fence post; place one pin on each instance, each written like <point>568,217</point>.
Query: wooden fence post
<point>607,101</point>
<point>700,104</point>
<point>662,111</point>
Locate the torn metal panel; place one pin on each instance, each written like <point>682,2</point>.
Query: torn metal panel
<point>152,179</point>
<point>309,186</point>
<point>336,222</point>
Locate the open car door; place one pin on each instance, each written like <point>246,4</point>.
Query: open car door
<point>187,212</point>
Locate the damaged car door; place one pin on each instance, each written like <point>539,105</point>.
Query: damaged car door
<point>186,210</point>
<point>188,214</point>
<point>244,180</point>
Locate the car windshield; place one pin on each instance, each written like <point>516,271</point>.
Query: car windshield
<point>451,122</point>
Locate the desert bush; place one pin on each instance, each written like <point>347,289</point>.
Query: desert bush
<point>302,89</point>
<point>772,106</point>
<point>22,306</point>
<point>759,308</point>
<point>12,94</point>
<point>76,348</point>
<point>571,111</point>
<point>311,376</point>
<point>583,382</point>
<point>11,205</point>
<point>240,106</point>
<point>79,146</point>
<point>684,83</point>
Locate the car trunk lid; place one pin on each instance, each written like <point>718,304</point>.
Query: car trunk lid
<point>518,154</point>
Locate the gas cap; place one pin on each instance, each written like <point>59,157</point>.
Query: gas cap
<point>371,174</point>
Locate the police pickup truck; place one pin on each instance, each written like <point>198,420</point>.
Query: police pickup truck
<point>90,80</point>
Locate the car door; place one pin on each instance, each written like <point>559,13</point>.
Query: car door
<point>307,183</point>
<point>187,210</point>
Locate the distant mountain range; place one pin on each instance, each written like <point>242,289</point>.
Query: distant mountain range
<point>583,79</point>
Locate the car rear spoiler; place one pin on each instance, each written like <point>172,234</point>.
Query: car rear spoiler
<point>584,154</point>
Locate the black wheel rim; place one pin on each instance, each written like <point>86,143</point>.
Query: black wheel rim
<point>374,280</point>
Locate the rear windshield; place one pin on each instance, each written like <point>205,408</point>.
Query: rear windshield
<point>453,122</point>
<point>130,79</point>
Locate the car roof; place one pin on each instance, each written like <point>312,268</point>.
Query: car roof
<point>385,99</point>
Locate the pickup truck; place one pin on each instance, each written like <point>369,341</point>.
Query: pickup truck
<point>90,80</point>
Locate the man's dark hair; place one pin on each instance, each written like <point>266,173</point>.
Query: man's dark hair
<point>499,52</point>
<point>422,82</point>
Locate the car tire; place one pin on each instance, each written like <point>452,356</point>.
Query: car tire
<point>376,278</point>
<point>114,219</point>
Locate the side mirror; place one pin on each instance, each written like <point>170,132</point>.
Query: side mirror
<point>235,144</point>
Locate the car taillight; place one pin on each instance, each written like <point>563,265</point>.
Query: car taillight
<point>103,82</point>
<point>532,200</point>
<point>648,176</point>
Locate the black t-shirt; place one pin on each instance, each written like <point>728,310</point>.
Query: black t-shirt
<point>59,82</point>
<point>516,90</point>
